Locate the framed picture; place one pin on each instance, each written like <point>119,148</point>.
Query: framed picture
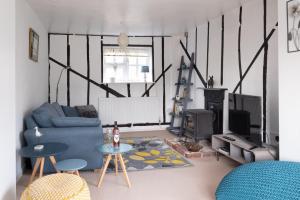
<point>33,45</point>
<point>293,25</point>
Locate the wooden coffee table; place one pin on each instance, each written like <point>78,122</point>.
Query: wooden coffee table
<point>50,150</point>
<point>110,151</point>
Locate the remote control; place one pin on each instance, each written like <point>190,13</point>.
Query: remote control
<point>228,138</point>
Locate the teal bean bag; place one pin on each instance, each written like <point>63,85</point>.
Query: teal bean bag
<point>266,180</point>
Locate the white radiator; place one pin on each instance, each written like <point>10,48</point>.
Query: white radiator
<point>129,110</point>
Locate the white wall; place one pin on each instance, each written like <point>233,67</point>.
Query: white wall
<point>116,110</point>
<point>31,77</point>
<point>289,94</point>
<point>7,105</point>
<point>251,39</point>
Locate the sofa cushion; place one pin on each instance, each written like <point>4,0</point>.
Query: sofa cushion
<point>30,123</point>
<point>43,115</point>
<point>75,122</point>
<point>88,111</point>
<point>70,111</point>
<point>58,109</point>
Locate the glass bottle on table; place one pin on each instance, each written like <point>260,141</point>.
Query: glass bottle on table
<point>116,136</point>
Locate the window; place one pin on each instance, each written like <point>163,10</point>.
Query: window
<point>125,66</point>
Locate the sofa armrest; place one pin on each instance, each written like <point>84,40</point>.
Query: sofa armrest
<point>81,141</point>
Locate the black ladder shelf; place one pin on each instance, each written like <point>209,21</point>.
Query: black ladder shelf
<point>181,102</point>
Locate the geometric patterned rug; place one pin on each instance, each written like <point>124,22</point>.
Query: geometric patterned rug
<point>150,153</point>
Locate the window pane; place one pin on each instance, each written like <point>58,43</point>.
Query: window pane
<point>126,66</point>
<point>109,59</point>
<point>132,60</point>
<point>143,61</point>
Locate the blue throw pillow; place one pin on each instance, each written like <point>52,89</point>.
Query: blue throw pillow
<point>43,115</point>
<point>70,111</point>
<point>58,109</point>
<point>30,123</point>
<point>75,122</point>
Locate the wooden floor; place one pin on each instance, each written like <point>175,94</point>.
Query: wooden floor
<point>198,182</point>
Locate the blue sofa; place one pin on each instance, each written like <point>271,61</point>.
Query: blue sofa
<point>63,124</point>
<point>265,180</point>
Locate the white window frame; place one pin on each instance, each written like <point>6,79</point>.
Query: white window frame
<point>126,54</point>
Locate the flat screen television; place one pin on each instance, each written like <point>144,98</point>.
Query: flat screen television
<point>245,116</point>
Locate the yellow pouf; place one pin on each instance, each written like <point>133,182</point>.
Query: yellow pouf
<point>57,187</point>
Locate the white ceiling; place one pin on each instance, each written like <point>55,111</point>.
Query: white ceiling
<point>138,17</point>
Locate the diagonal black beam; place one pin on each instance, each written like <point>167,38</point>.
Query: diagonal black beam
<point>195,67</point>
<point>160,76</point>
<point>102,86</point>
<point>255,57</point>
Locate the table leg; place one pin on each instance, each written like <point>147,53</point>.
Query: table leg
<point>124,170</point>
<point>104,169</point>
<point>77,173</point>
<point>218,156</point>
<point>35,168</point>
<point>116,164</point>
<point>42,167</point>
<point>53,162</point>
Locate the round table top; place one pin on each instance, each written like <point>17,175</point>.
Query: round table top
<point>71,165</point>
<point>109,149</point>
<point>50,149</point>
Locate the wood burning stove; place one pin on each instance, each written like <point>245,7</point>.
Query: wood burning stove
<point>198,124</point>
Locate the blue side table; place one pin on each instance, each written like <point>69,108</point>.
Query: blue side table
<point>71,165</point>
<point>117,152</point>
<point>50,150</point>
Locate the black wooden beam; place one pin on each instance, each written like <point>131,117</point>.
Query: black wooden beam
<point>153,68</point>
<point>196,45</point>
<point>164,77</point>
<point>128,90</point>
<point>68,70</point>
<point>49,71</point>
<point>158,78</point>
<point>256,56</point>
<point>207,50</point>
<point>195,67</point>
<point>101,48</point>
<point>265,72</point>
<point>102,86</point>
<point>222,50</point>
<point>102,65</point>
<point>147,93</point>
<point>239,47</point>
<point>88,68</point>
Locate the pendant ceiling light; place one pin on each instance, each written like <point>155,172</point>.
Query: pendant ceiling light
<point>123,40</point>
